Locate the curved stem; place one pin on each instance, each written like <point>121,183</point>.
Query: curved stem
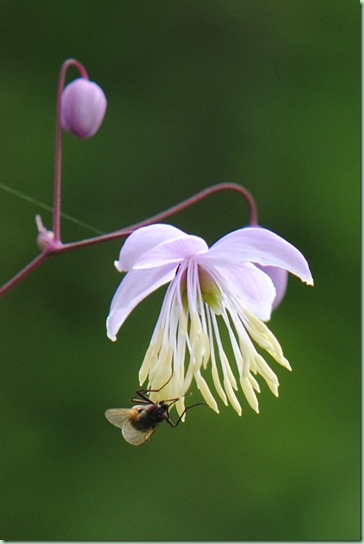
<point>58,151</point>
<point>168,213</point>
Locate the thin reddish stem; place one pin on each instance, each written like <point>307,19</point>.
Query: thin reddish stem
<point>26,271</point>
<point>55,247</point>
<point>53,244</point>
<point>191,201</point>
<point>58,151</point>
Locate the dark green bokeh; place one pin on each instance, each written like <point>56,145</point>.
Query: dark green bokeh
<point>261,93</point>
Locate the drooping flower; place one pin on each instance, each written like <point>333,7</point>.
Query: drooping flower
<point>224,284</point>
<point>83,106</point>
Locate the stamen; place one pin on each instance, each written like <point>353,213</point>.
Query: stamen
<point>249,393</point>
<point>180,347</point>
<point>151,355</point>
<point>229,373</point>
<point>229,379</point>
<point>265,370</point>
<point>214,371</point>
<point>231,396</point>
<point>253,382</point>
<point>161,369</point>
<point>189,374</point>
<point>205,391</point>
<point>180,407</point>
<point>246,346</point>
<point>265,338</point>
<point>236,350</point>
<point>274,388</point>
<point>217,384</point>
<point>199,342</point>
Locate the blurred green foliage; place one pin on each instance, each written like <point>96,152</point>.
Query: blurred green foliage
<point>261,93</point>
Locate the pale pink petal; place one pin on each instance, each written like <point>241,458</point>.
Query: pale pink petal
<point>136,285</point>
<point>279,277</point>
<point>174,251</point>
<point>258,245</point>
<point>143,240</point>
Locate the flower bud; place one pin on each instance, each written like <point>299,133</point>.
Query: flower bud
<point>45,237</point>
<point>83,106</point>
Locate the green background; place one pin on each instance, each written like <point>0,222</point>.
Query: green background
<point>261,93</point>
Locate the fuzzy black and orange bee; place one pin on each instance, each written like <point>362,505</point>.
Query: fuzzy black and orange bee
<point>139,422</point>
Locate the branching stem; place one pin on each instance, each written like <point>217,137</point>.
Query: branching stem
<point>50,241</point>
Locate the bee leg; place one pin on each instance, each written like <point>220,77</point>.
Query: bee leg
<point>174,425</point>
<point>141,397</point>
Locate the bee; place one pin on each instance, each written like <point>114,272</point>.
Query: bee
<point>139,422</point>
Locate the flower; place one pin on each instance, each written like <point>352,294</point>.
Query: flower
<point>83,106</point>
<point>225,283</point>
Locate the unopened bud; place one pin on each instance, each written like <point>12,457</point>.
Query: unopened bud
<point>83,106</point>
<point>45,237</point>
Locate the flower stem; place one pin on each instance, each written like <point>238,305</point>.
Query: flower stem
<point>58,151</point>
<point>191,201</point>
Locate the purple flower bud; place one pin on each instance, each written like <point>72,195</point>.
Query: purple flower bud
<point>83,106</point>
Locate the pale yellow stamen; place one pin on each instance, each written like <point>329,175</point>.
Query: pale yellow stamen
<point>265,370</point>
<point>253,382</point>
<point>205,391</point>
<point>150,356</point>
<point>200,344</point>
<point>231,396</point>
<point>214,371</point>
<point>249,393</point>
<point>217,384</point>
<point>229,373</point>
<point>265,338</point>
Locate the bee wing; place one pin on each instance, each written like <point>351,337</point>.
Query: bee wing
<point>124,418</point>
<point>119,416</point>
<point>135,436</point>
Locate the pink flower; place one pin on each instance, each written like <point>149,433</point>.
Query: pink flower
<point>83,106</point>
<point>207,287</point>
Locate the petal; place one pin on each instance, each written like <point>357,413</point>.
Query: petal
<point>172,251</point>
<point>252,287</point>
<point>136,285</point>
<point>279,277</point>
<point>261,246</point>
<point>143,240</point>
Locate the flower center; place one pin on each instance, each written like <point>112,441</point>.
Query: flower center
<point>211,294</point>
<point>209,291</point>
